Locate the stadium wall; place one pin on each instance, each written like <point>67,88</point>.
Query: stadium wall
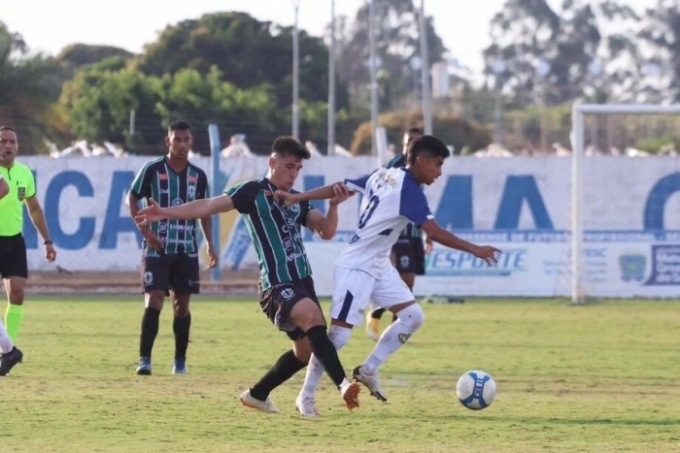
<point>521,205</point>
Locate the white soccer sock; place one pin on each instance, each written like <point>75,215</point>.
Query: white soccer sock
<point>6,344</point>
<point>408,321</point>
<point>339,336</point>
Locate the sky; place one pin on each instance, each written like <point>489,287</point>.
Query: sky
<point>48,26</point>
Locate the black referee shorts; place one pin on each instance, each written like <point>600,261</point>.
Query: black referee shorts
<point>13,260</point>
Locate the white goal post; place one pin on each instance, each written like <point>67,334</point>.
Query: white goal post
<point>579,110</point>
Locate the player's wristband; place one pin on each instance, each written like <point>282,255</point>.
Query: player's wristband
<point>48,242</point>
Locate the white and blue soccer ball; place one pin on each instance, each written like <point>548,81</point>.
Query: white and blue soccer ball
<point>476,389</point>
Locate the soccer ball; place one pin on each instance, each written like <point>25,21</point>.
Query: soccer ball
<point>476,390</point>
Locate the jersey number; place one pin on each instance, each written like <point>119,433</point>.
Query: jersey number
<point>368,212</point>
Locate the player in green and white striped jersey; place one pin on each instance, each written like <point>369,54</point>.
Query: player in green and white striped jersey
<point>170,255</point>
<point>286,289</point>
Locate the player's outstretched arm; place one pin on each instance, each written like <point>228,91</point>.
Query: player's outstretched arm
<point>326,225</point>
<point>320,193</point>
<point>195,210</point>
<point>441,236</point>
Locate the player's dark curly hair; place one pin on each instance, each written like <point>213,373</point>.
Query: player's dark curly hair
<point>427,145</point>
<point>178,126</point>
<point>287,145</point>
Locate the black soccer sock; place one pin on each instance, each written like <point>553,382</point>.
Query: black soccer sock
<point>325,351</point>
<point>285,367</point>
<point>376,314</point>
<point>149,331</point>
<point>181,326</point>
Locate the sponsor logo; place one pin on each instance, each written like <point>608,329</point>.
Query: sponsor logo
<point>632,267</point>
<point>403,337</point>
<point>405,261</point>
<point>665,266</point>
<point>293,256</point>
<point>288,245</point>
<point>448,263</point>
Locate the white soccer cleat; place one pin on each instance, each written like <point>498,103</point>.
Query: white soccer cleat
<point>371,381</point>
<point>306,406</point>
<point>265,406</point>
<point>350,393</point>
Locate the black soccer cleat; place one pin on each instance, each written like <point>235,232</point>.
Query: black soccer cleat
<point>7,361</point>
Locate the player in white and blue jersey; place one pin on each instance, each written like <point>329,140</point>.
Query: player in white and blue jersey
<point>392,199</point>
<point>408,253</point>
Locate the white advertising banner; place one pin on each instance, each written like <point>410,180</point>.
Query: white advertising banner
<point>520,205</point>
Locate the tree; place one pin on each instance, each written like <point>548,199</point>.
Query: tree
<point>557,56</point>
<point>205,99</point>
<point>75,56</point>
<point>27,88</point>
<point>661,66</point>
<point>248,53</point>
<point>100,99</point>
<point>522,34</point>
<point>398,49</point>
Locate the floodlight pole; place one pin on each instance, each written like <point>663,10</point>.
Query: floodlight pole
<point>331,85</point>
<point>296,73</point>
<point>425,71</point>
<point>374,78</point>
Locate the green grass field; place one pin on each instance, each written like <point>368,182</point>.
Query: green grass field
<point>597,378</point>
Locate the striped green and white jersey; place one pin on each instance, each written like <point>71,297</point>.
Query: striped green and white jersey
<point>275,232</point>
<point>159,181</point>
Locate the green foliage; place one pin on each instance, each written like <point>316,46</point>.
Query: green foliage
<point>464,136</point>
<point>556,55</point>
<point>27,89</point>
<point>76,56</point>
<point>397,47</point>
<point>658,145</point>
<point>525,127</point>
<point>100,101</point>
<point>247,52</point>
<point>205,99</point>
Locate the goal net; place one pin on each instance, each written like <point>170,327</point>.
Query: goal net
<point>625,201</point>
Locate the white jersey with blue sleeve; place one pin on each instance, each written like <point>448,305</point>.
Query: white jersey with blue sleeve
<point>392,199</point>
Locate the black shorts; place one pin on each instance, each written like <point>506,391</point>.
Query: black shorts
<point>178,273</point>
<point>409,256</point>
<point>13,260</point>
<point>278,301</point>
